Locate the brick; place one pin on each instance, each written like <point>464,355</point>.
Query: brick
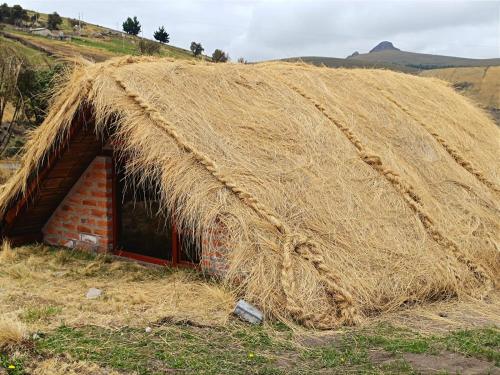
<point>99,194</point>
<point>105,204</point>
<point>108,223</point>
<point>102,232</point>
<point>84,229</point>
<point>88,202</point>
<point>69,226</point>
<point>98,213</point>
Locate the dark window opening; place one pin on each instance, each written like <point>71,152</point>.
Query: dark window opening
<point>143,231</point>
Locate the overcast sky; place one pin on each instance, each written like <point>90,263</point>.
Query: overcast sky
<point>258,30</point>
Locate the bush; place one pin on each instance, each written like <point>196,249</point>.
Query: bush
<point>220,56</point>
<point>148,47</point>
<point>54,21</point>
<point>196,48</point>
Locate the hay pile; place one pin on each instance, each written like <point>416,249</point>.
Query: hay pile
<point>344,193</point>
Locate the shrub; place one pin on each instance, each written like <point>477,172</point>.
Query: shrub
<point>12,332</point>
<point>148,47</point>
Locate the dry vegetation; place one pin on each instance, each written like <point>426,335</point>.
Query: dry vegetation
<point>480,83</point>
<point>48,326</point>
<point>323,206</point>
<point>47,289</point>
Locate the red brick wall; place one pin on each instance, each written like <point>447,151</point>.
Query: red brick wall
<point>84,217</point>
<point>215,261</point>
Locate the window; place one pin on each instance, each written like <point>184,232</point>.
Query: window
<point>142,231</point>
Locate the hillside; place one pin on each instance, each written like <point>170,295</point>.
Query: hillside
<point>420,60</point>
<point>386,56</point>
<point>335,62</point>
<point>93,42</point>
<point>482,84</point>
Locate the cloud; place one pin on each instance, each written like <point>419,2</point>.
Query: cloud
<point>258,29</point>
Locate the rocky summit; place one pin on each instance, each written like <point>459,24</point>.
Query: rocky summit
<point>384,46</point>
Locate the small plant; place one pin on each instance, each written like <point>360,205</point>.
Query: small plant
<point>7,255</point>
<point>219,56</point>
<point>35,314</point>
<point>12,333</point>
<point>196,48</point>
<point>148,47</point>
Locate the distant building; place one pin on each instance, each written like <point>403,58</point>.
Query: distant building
<point>42,31</point>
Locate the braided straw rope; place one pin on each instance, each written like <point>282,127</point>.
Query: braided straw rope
<point>406,190</point>
<point>454,153</point>
<point>343,310</point>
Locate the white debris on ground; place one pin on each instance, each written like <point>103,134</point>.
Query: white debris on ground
<point>248,312</point>
<point>93,293</point>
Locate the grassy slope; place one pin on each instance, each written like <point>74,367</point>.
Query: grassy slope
<point>350,63</point>
<point>35,57</point>
<point>480,83</point>
<point>95,335</point>
<point>96,43</point>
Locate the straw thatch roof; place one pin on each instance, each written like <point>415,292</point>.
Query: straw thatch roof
<point>343,193</point>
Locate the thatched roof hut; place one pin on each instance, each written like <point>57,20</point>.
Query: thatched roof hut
<point>339,193</point>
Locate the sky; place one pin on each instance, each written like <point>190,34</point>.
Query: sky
<point>269,29</point>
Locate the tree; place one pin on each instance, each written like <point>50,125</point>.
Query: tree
<point>35,85</point>
<point>18,14</point>
<point>10,68</point>
<point>161,35</point>
<point>220,56</point>
<point>4,12</point>
<point>54,21</point>
<point>132,26</point>
<point>34,18</point>
<point>196,48</point>
<point>148,47</point>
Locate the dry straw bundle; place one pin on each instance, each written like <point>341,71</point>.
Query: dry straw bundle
<point>344,193</point>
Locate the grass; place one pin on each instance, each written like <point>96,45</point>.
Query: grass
<point>242,349</point>
<point>35,57</point>
<point>12,332</point>
<point>34,314</point>
<point>103,48</point>
<point>125,46</point>
<point>75,334</point>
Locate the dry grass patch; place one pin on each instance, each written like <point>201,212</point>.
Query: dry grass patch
<point>58,366</point>
<point>12,332</point>
<point>46,287</point>
<point>7,255</point>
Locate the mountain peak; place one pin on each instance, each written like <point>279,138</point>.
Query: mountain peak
<point>384,46</point>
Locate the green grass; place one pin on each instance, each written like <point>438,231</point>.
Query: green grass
<point>13,365</point>
<point>35,57</point>
<point>242,349</point>
<point>195,350</point>
<point>125,46</point>
<point>35,314</point>
<point>482,343</point>
<point>116,46</point>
